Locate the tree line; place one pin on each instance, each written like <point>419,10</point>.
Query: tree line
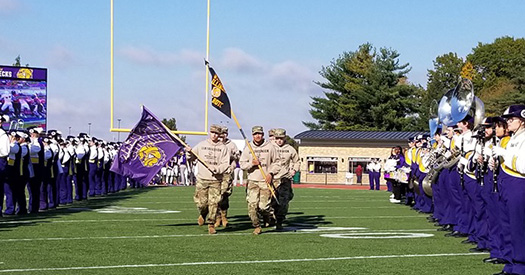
<point>367,89</point>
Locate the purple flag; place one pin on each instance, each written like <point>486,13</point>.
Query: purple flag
<point>149,146</point>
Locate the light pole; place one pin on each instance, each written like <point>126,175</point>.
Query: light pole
<point>69,130</point>
<point>89,128</point>
<point>118,139</point>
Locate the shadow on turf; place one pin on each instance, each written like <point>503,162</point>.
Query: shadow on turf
<point>243,222</point>
<point>10,222</point>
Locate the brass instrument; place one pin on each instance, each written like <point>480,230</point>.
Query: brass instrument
<point>435,165</point>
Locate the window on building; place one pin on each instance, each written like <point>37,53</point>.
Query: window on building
<point>354,162</point>
<point>322,165</point>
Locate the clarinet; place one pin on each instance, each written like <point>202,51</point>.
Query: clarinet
<point>461,170</point>
<point>496,161</point>
<point>480,168</point>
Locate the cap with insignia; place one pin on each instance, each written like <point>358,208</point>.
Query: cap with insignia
<point>279,133</point>
<point>214,128</point>
<point>257,130</point>
<point>515,111</point>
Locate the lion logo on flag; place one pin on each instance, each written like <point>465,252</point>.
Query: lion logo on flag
<point>150,155</point>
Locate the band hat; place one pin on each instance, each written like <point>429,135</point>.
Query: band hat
<point>257,130</point>
<point>279,133</point>
<point>214,128</point>
<point>515,111</point>
<point>489,121</point>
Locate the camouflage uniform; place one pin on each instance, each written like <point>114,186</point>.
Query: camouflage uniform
<point>227,179</point>
<point>207,188</point>
<point>258,193</point>
<point>288,161</point>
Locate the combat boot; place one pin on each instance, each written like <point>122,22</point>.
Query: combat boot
<point>218,221</point>
<point>211,229</point>
<point>224,219</point>
<point>279,226</point>
<point>200,220</point>
<point>257,230</point>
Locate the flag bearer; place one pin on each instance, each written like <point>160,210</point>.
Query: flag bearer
<point>259,194</point>
<point>207,190</point>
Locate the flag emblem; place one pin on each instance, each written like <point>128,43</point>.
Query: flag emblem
<point>150,155</point>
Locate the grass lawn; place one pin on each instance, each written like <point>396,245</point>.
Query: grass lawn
<point>154,231</point>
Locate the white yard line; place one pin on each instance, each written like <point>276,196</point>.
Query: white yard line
<point>238,262</point>
<point>173,219</point>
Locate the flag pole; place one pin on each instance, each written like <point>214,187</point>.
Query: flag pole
<point>178,139</point>
<point>270,185</point>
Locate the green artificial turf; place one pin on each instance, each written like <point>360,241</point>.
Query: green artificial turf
<point>140,232</point>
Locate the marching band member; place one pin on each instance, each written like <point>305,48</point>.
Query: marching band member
<point>512,191</point>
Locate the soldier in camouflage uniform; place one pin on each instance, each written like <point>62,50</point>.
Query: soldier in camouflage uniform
<point>227,179</point>
<point>258,192</point>
<point>289,164</point>
<point>208,187</point>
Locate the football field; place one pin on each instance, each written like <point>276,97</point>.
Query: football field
<point>155,231</point>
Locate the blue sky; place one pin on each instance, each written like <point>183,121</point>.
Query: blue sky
<point>267,53</point>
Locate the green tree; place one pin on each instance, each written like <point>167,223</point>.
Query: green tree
<point>443,77</point>
<point>172,125</point>
<point>18,63</point>
<point>500,73</point>
<point>366,90</point>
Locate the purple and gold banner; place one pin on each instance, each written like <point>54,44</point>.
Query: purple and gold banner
<point>23,73</point>
<point>147,149</point>
<point>23,96</point>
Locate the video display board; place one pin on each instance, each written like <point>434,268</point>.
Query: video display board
<point>23,96</point>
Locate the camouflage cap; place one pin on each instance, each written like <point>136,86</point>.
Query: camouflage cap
<point>279,133</point>
<point>224,130</point>
<point>257,129</point>
<point>271,132</point>
<point>214,128</point>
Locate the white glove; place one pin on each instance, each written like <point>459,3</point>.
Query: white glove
<point>491,164</point>
<point>499,151</point>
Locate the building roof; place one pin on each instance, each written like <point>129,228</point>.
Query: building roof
<point>356,135</point>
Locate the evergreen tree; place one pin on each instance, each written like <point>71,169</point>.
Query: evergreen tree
<point>366,90</point>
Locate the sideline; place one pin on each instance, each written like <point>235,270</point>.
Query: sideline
<point>239,262</point>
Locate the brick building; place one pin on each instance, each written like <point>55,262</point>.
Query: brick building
<point>331,157</point>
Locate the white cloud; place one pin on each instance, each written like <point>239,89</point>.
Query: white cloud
<point>148,56</point>
<point>60,57</point>
<point>8,6</point>
<point>240,61</point>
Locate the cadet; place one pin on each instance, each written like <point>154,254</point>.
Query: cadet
<point>226,184</point>
<point>259,195</point>
<point>207,190</point>
<point>289,164</point>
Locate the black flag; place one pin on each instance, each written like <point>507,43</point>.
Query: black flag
<point>219,98</point>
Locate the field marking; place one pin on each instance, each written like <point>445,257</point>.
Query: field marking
<point>173,219</point>
<point>377,235</point>
<point>239,262</point>
<point>179,219</point>
<point>288,230</point>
